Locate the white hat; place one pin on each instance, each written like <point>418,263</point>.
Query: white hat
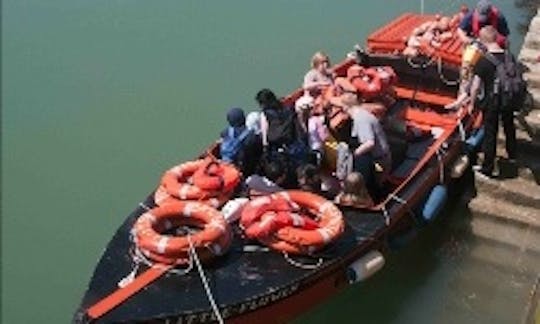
<point>304,102</point>
<point>253,122</point>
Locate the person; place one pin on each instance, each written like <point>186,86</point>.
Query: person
<point>369,145</point>
<point>272,181</point>
<point>320,76</point>
<point>431,34</point>
<point>485,14</point>
<point>485,73</point>
<point>313,123</point>
<point>280,132</point>
<point>355,193</point>
<point>309,178</point>
<point>237,141</point>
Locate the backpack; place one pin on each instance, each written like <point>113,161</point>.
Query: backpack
<point>231,145</point>
<point>281,126</point>
<point>509,86</point>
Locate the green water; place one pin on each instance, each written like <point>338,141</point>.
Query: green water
<point>99,97</point>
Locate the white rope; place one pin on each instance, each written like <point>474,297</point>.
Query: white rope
<point>461,129</point>
<point>386,215</point>
<point>140,257</point>
<point>302,265</point>
<point>440,152</point>
<point>398,199</point>
<point>144,206</point>
<point>419,65</point>
<point>441,75</point>
<point>204,280</point>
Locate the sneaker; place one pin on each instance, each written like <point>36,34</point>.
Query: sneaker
<point>484,174</point>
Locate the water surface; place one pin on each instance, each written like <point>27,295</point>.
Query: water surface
<point>99,97</point>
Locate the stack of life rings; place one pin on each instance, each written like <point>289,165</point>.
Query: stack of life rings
<point>208,233</point>
<point>205,180</point>
<point>371,82</point>
<point>283,221</point>
<point>187,198</point>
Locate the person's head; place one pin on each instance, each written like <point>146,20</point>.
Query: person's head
<point>488,35</point>
<point>236,117</point>
<point>483,8</point>
<point>308,178</point>
<point>267,99</point>
<point>275,171</point>
<point>320,61</point>
<point>443,24</point>
<point>354,184</point>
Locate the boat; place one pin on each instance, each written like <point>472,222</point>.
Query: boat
<point>252,284</point>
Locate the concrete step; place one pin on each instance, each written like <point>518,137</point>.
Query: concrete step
<point>507,258</point>
<point>532,78</point>
<point>532,41</point>
<point>532,123</point>
<point>502,193</point>
<point>528,56</point>
<point>503,210</point>
<point>483,293</point>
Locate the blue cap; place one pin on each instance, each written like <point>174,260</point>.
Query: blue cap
<point>236,117</point>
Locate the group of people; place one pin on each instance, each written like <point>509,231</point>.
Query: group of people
<point>486,30</point>
<point>280,147</point>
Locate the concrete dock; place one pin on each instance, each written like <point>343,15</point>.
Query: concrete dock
<point>507,209</point>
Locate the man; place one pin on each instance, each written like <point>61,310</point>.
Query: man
<point>485,14</point>
<point>370,145</point>
<point>485,72</point>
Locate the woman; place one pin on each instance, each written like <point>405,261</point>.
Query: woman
<point>320,76</point>
<point>281,133</point>
<point>313,123</point>
<point>355,193</point>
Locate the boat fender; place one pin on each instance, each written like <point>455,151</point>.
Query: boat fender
<point>233,209</point>
<point>434,202</point>
<point>365,267</point>
<point>473,142</point>
<point>459,166</point>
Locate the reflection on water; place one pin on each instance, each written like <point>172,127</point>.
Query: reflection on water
<point>462,269</point>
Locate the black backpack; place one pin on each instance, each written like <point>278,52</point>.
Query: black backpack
<point>281,126</point>
<point>509,86</point>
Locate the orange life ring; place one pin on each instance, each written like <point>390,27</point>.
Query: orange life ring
<point>176,182</point>
<point>387,75</point>
<point>213,239</point>
<point>297,240</point>
<point>162,197</point>
<point>264,215</point>
<point>366,81</point>
<point>216,176</point>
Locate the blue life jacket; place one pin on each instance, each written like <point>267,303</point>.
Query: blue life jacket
<point>231,145</point>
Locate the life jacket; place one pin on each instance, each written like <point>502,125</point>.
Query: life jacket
<point>231,145</point>
<point>493,20</point>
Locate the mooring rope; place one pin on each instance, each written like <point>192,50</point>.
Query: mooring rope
<point>204,280</point>
<point>302,265</point>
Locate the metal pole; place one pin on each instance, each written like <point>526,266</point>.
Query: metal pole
<point>422,6</point>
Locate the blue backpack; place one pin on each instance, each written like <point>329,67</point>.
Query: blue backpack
<point>231,145</point>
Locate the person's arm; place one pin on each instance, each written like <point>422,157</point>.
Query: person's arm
<point>364,147</point>
<point>475,89</point>
<point>463,28</point>
<point>264,130</point>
